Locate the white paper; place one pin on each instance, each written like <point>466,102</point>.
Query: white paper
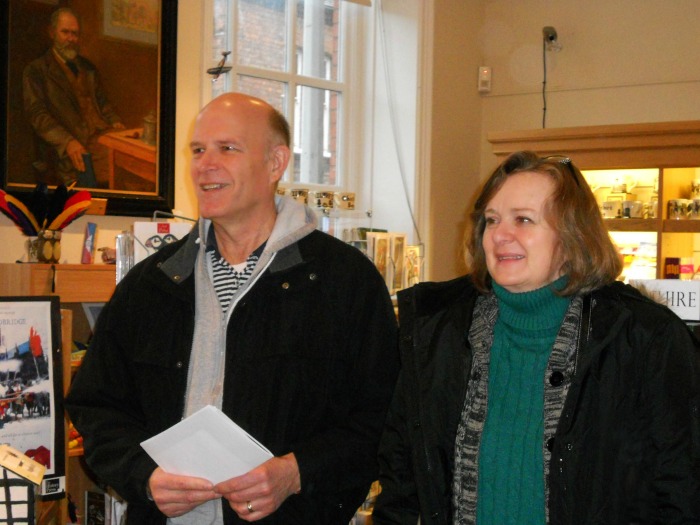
<point>207,445</point>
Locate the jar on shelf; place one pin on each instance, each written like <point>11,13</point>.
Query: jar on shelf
<point>695,189</point>
<point>48,246</point>
<point>677,209</point>
<point>695,209</point>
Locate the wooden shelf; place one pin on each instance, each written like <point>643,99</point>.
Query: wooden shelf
<point>632,225</point>
<point>74,283</point>
<point>645,145</point>
<point>681,226</point>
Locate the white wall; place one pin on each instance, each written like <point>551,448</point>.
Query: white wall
<point>453,170</point>
<point>622,62</point>
<point>393,153</point>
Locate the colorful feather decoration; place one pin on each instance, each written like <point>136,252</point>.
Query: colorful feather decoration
<point>57,202</point>
<point>21,216</point>
<point>6,209</point>
<point>38,203</point>
<point>43,211</point>
<point>69,214</point>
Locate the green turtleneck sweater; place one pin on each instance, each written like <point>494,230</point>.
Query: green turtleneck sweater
<point>511,462</point>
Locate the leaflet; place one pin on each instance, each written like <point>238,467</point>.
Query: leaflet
<point>209,445</point>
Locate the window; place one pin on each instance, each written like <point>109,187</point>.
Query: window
<point>295,55</point>
<point>345,74</point>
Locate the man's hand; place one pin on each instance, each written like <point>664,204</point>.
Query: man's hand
<point>175,495</point>
<point>75,151</point>
<point>261,491</point>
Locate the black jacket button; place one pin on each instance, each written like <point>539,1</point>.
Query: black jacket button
<point>550,444</point>
<point>556,379</point>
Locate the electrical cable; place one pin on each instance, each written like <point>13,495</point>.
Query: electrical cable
<point>544,83</point>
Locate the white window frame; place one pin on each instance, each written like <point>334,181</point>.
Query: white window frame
<point>354,144</point>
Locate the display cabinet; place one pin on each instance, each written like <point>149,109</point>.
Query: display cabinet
<point>669,149</point>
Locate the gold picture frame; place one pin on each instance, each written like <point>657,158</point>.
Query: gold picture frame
<point>136,76</point>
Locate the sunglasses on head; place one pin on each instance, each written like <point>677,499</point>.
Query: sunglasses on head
<point>566,161</point>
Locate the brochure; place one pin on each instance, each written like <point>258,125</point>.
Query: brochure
<point>209,445</point>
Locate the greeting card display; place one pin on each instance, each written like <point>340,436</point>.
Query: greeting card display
<point>149,237</point>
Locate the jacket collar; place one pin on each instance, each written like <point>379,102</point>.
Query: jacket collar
<point>294,222</point>
<point>55,72</point>
<point>430,297</point>
<point>607,311</point>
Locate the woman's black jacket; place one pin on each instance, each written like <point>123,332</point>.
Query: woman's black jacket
<point>627,446</point>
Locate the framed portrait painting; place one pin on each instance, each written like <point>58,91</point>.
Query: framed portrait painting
<point>90,100</point>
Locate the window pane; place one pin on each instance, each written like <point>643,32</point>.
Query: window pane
<point>262,34</point>
<point>318,38</point>
<point>221,24</point>
<point>316,124</point>
<point>218,86</point>
<point>271,91</point>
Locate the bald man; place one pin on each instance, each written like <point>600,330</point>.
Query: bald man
<point>289,331</point>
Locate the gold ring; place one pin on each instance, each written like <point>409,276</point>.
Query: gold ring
<point>250,507</point>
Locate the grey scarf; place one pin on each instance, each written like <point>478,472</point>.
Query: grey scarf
<point>473,417</point>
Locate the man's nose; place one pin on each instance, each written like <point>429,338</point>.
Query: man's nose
<point>208,160</point>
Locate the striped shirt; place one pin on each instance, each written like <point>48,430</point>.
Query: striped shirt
<point>228,278</point>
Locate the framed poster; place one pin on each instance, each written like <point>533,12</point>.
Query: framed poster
<point>378,245</point>
<point>397,249</point>
<point>95,108</point>
<point>31,385</point>
<point>414,265</point>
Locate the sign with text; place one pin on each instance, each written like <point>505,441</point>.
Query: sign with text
<point>683,297</point>
<point>31,388</point>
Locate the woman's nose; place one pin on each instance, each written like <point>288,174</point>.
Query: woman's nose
<point>501,232</point>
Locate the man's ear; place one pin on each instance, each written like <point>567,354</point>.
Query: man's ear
<point>279,158</point>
